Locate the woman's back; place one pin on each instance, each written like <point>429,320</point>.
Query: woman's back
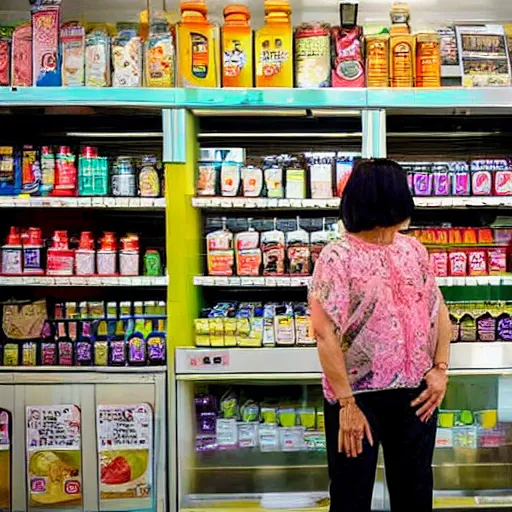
<point>385,301</point>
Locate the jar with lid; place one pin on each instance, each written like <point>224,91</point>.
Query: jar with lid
<point>313,55</point>
<point>129,256</point>
<point>61,259</point>
<point>124,178</point>
<point>149,181</point>
<point>33,252</point>
<point>12,261</point>
<point>85,255</point>
<point>106,257</point>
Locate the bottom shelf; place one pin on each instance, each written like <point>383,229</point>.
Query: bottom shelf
<point>319,502</point>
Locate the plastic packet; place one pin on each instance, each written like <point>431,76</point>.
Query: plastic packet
<point>220,254</point>
<point>273,250</point>
<point>298,251</point>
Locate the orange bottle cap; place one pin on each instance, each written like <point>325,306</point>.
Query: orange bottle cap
<point>237,9</point>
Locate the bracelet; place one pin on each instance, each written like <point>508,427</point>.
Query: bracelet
<point>349,400</point>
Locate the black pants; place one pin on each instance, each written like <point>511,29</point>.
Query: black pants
<point>408,446</point>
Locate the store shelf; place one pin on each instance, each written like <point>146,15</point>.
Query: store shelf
<point>83,369</point>
<point>245,203</point>
<point>287,281</point>
<point>139,281</point>
<point>447,97</point>
<point>468,358</point>
<point>119,203</point>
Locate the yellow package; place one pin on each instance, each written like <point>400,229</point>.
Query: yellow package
<point>202,332</point>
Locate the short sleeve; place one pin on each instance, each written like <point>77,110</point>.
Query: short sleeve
<point>329,285</point>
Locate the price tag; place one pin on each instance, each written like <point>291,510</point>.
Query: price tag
<point>233,281</point>
<point>272,203</point>
<point>135,203</point>
<point>270,281</point>
<point>283,281</point>
<point>260,202</point>
<point>247,281</point>
<point>295,203</point>
<point>250,203</point>
<point>220,281</point>
<point>258,281</point>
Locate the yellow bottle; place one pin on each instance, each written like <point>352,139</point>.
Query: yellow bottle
<point>198,47</point>
<point>274,46</point>
<point>237,62</point>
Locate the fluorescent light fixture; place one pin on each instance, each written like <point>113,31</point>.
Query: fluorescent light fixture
<point>281,135</point>
<point>250,112</point>
<point>116,135</point>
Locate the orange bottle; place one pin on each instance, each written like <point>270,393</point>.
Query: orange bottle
<point>237,61</point>
<point>274,46</point>
<point>197,47</point>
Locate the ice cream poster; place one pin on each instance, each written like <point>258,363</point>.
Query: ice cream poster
<point>5,461</point>
<point>54,457</point>
<point>125,444</point>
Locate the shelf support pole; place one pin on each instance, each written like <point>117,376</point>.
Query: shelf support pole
<point>374,133</point>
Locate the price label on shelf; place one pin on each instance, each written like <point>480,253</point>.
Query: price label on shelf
<point>270,281</point>
<point>220,281</point>
<point>211,359</point>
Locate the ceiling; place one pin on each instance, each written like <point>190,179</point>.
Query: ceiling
<point>425,13</point>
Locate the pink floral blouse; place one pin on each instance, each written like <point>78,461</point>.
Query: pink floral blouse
<point>383,301</point>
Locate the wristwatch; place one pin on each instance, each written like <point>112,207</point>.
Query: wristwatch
<point>441,366</point>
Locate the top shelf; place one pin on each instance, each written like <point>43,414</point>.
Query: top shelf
<point>359,98</point>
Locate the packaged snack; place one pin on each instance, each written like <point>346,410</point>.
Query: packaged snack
<point>344,166</point>
<point>273,172</point>
<point>226,433</point>
<point>348,64</point>
<point>295,183</point>
<point>202,329</point>
<point>273,249</point>
<point>21,49</point>
<point>467,328</point>
<point>455,236</point>
<point>45,43</point>
<point>458,263</point>
<point>485,236</point>
<point>248,252</point>
<point>207,179</point>
<point>72,42</point>
<point>497,260</point>
<point>298,251</point>
<point>229,407</point>
<point>237,47</point>
<point>469,236</point>
<point>455,328</point>
<point>505,327</point>
<point>402,60</point>
<point>31,170</point>
<point>268,438</point>
<point>441,180</point>
<point>291,439</point>
<point>303,325</point>
<point>229,179</point>
<point>448,47</point>
<point>252,181</point>
<point>97,59</point>
<point>269,339</point>
<point>486,327</point>
<point>481,178</point>
<point>477,260</point>
<point>159,54</point>
<point>319,239</point>
<point>273,46</point>
<point>287,417</point>
<point>422,179</point>
<point>250,411</point>
<point>284,325</point>
<point>321,174</point>
<point>487,419</point>
<point>220,253</point>
<point>461,179</point>
<point>428,60</point>
<point>268,415</point>
<point>247,435</point>
<point>127,59</point>
<point>439,261</point>
<point>312,56</point>
<point>377,60</point>
<point>10,172</point>
<point>503,181</point>
<point>5,62</point>
<point>465,437</point>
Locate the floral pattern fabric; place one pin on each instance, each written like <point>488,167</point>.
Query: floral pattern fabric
<point>383,301</point>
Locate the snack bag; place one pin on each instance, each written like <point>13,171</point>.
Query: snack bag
<point>127,59</point>
<point>497,260</point>
<point>441,180</point>
<point>503,181</point>
<point>97,59</point>
<point>220,254</point>
<point>22,56</point>
<point>344,166</point>
<point>321,174</point>
<point>481,178</point>
<point>72,37</point>
<point>477,260</point>
<point>348,62</point>
<point>284,325</point>
<point>458,263</point>
<point>273,249</point>
<point>298,251</point>
<point>248,253</point>
<point>5,62</point>
<point>439,262</point>
<point>461,179</point>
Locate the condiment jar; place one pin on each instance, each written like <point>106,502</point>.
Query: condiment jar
<point>85,255</point>
<point>123,178</point>
<point>61,259</point>
<point>129,256</point>
<point>106,256</point>
<point>12,263</point>
<point>149,181</point>
<point>33,252</point>
<point>152,263</point>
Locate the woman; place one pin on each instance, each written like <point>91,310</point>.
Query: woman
<point>383,336</point>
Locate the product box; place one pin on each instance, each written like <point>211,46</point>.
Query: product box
<point>444,438</point>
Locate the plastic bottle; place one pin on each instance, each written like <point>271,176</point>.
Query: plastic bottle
<point>159,53</point>
<point>137,353</point>
<point>197,47</point>
<point>237,47</point>
<point>12,260</point>
<point>47,171</point>
<point>274,46</point>
<point>149,181</point>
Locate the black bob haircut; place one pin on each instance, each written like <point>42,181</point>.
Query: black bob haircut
<point>376,195</point>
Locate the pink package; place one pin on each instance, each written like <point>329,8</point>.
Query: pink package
<point>439,262</point>
<point>422,182</point>
<point>477,263</point>
<point>458,263</point>
<point>497,260</point>
<point>22,56</point>
<point>441,183</point>
<point>348,62</point>
<point>503,182</point>
<point>482,183</point>
<point>5,58</point>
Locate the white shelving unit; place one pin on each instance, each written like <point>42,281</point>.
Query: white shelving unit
<point>94,281</point>
<point>119,203</point>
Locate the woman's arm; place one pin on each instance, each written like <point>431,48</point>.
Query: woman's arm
<point>329,351</point>
<point>353,423</point>
<point>442,355</point>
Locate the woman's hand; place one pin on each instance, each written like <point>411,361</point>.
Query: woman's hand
<point>353,428</point>
<point>433,396</point>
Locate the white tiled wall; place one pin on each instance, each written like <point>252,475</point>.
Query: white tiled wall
<point>425,13</point>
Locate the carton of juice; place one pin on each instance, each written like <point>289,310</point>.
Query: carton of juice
<point>45,43</point>
<point>237,61</point>
<point>198,47</point>
<point>274,46</point>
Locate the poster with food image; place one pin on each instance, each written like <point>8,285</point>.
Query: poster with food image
<point>5,460</point>
<point>54,457</point>
<point>125,444</point>
<point>484,56</point>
